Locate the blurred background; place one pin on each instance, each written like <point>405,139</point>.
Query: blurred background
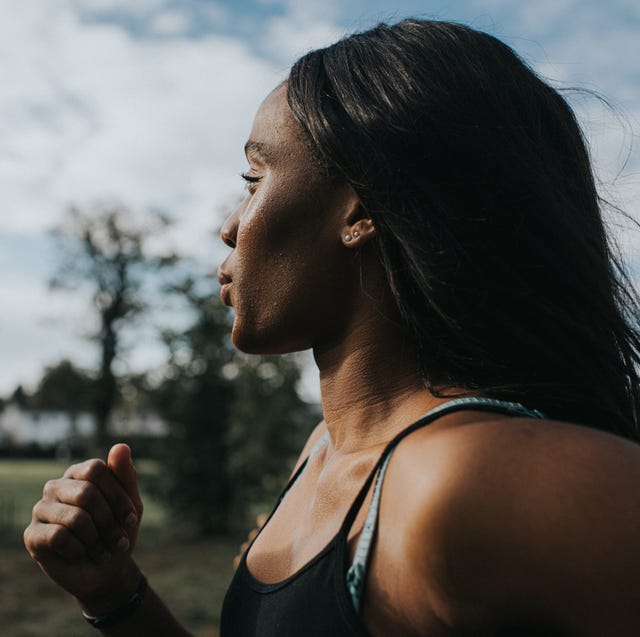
<point>121,133</point>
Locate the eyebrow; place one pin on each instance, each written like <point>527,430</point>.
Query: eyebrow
<point>256,148</point>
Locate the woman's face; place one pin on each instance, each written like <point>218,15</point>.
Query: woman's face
<point>288,274</point>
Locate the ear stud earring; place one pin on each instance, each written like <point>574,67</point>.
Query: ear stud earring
<point>347,237</point>
<point>356,234</point>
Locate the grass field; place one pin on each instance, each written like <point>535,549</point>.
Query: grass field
<point>190,575</point>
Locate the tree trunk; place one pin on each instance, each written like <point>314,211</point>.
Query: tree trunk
<point>106,387</point>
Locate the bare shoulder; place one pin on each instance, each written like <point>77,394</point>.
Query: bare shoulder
<point>511,453</point>
<point>515,448</point>
<point>538,516</point>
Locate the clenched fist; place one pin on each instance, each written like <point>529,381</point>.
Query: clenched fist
<point>84,528</point>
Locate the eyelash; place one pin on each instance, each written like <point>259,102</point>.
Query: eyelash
<point>251,180</point>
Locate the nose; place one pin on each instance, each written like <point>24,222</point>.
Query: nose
<point>229,230</point>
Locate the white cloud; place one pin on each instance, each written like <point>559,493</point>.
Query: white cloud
<point>310,10</point>
<point>173,23</point>
<point>136,8</point>
<point>304,25</point>
<point>92,112</point>
<point>288,38</point>
<point>538,17</point>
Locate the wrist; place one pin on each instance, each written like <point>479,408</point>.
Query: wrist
<point>115,594</point>
<point>122,613</point>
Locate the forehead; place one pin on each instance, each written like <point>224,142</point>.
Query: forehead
<point>275,132</point>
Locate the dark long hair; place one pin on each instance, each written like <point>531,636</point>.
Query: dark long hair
<point>476,176</point>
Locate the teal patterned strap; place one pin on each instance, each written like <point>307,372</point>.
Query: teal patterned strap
<point>357,571</point>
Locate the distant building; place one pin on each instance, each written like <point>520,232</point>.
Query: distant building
<point>49,430</point>
<point>138,423</point>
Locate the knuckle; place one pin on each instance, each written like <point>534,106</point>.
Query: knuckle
<point>36,512</point>
<point>85,495</point>
<point>50,488</point>
<point>34,548</point>
<point>94,468</point>
<point>71,470</point>
<point>27,537</point>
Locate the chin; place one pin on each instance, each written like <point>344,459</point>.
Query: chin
<point>265,342</point>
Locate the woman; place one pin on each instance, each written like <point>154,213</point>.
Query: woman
<point>422,213</point>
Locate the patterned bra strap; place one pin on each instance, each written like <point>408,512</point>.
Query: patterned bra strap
<point>357,571</point>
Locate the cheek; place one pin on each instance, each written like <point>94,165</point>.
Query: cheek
<point>289,277</point>
<point>280,236</point>
<point>265,287</point>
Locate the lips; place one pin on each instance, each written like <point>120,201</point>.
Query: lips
<point>225,286</point>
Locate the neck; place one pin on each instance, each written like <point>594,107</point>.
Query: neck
<point>371,386</point>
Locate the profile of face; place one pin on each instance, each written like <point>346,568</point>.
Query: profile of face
<point>289,277</point>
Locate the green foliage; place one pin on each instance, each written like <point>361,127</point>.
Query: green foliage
<point>64,387</point>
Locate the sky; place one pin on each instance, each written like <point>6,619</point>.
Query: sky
<point>148,103</point>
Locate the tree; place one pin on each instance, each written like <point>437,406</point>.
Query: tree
<point>20,398</point>
<point>64,387</point>
<point>105,253</point>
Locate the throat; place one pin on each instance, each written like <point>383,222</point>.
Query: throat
<point>368,397</point>
<point>371,380</point>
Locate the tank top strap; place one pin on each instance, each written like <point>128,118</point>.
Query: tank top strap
<point>356,573</point>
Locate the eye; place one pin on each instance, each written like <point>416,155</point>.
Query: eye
<point>251,181</point>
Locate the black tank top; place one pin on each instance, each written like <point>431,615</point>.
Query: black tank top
<point>315,601</point>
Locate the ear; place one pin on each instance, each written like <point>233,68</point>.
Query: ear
<point>357,228</point>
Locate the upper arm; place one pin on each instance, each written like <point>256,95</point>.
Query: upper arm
<point>544,526</point>
<point>532,525</point>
